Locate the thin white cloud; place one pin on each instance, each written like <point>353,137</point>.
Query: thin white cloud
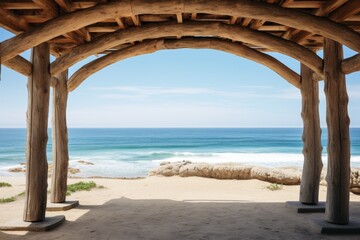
<point>144,92</point>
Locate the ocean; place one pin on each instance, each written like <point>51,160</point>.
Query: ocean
<point>133,152</point>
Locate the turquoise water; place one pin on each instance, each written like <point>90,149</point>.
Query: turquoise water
<point>133,152</point>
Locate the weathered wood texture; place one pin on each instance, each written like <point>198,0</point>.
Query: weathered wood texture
<point>312,148</point>
<point>20,65</point>
<point>338,169</point>
<point>161,30</point>
<point>244,8</point>
<point>59,140</point>
<point>351,64</point>
<point>151,46</point>
<point>37,137</point>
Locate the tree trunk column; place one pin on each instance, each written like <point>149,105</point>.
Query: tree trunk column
<point>310,181</point>
<point>59,140</point>
<point>37,137</point>
<point>338,172</point>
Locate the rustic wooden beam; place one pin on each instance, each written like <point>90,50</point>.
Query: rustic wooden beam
<point>50,8</point>
<point>244,8</point>
<point>135,19</point>
<point>154,45</point>
<point>312,148</point>
<point>193,16</point>
<point>120,22</point>
<point>59,140</point>
<point>65,5</point>
<point>18,5</point>
<point>305,4</point>
<point>179,17</point>
<point>328,7</point>
<point>351,64</point>
<point>20,65</point>
<point>12,23</point>
<point>37,126</point>
<point>338,167</point>
<point>160,30</point>
<point>233,20</point>
<point>348,9</point>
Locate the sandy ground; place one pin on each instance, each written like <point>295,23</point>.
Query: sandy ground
<point>176,208</point>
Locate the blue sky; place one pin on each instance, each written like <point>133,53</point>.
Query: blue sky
<point>178,88</point>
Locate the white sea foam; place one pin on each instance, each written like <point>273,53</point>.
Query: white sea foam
<point>126,164</point>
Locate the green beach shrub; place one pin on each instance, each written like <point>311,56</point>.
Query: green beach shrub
<point>5,184</point>
<point>275,187</point>
<point>12,199</point>
<point>7,200</point>
<point>80,186</point>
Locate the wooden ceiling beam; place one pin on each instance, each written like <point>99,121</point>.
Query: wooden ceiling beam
<point>14,5</point>
<point>273,28</point>
<point>245,22</point>
<point>324,10</point>
<point>20,65</point>
<point>135,19</point>
<point>155,45</point>
<point>65,5</point>
<point>199,29</point>
<point>350,8</point>
<point>249,9</point>
<point>50,8</point>
<point>179,17</point>
<point>233,20</point>
<point>305,4</point>
<point>120,23</point>
<point>193,16</point>
<point>103,29</point>
<point>12,22</point>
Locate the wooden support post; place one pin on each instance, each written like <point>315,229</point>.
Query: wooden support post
<point>59,140</point>
<point>309,188</point>
<point>338,172</point>
<point>37,137</point>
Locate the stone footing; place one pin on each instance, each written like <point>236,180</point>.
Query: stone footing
<point>305,208</point>
<point>47,224</point>
<point>62,206</point>
<point>325,227</point>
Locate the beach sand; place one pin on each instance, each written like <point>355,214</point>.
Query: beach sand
<point>176,208</point>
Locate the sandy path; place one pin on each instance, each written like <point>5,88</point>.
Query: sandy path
<point>178,208</point>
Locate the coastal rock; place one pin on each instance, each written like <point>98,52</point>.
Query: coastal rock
<point>275,176</point>
<point>355,181</point>
<point>195,170</point>
<point>231,171</point>
<point>168,169</point>
<point>73,170</point>
<point>227,171</point>
<point>85,162</point>
<point>16,169</point>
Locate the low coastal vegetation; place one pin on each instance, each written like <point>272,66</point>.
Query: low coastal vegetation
<point>275,187</point>
<point>81,186</point>
<point>12,199</point>
<point>5,184</point>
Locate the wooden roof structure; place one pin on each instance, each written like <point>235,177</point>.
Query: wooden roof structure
<point>291,27</point>
<point>113,30</point>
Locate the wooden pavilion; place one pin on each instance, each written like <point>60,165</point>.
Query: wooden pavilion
<point>113,30</point>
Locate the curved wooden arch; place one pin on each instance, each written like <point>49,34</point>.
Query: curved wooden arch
<point>156,31</point>
<point>240,8</point>
<point>199,43</point>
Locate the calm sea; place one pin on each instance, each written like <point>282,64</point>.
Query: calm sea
<point>133,152</point>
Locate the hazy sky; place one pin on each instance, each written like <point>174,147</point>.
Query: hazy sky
<point>177,88</point>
